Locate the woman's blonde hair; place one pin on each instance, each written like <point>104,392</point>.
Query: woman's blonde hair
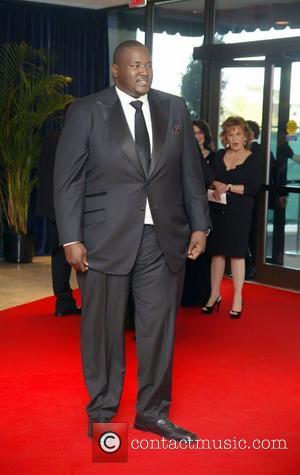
<point>235,121</point>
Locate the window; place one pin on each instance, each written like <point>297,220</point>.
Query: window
<point>178,28</point>
<point>125,24</point>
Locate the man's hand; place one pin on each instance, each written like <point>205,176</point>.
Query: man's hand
<point>76,256</point>
<point>197,244</point>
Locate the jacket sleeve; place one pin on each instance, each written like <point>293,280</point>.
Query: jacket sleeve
<point>194,190</point>
<point>69,173</point>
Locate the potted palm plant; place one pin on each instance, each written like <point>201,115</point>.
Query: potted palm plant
<point>29,95</point>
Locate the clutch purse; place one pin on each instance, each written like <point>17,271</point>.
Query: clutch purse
<point>223,197</point>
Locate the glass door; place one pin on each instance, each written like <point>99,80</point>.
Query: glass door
<point>241,91</point>
<point>264,89</point>
<point>282,224</point>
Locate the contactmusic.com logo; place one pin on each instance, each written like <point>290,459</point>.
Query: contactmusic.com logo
<point>110,442</point>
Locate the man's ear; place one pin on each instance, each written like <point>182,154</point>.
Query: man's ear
<point>114,70</point>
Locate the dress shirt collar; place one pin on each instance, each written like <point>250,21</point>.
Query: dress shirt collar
<point>126,98</point>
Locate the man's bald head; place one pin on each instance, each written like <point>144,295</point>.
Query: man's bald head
<point>120,49</point>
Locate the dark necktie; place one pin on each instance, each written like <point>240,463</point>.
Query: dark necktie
<point>142,142</point>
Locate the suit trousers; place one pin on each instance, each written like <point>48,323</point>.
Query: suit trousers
<point>156,292</point>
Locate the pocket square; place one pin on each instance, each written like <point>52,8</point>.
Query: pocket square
<point>176,130</point>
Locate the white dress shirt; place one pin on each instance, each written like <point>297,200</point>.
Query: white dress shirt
<point>129,112</point>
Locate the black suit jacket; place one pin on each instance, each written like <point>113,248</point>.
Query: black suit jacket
<point>100,187</point>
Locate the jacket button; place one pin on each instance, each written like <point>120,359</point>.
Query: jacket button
<point>143,209</point>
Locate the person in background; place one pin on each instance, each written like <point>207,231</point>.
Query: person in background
<point>278,197</point>
<point>237,173</point>
<point>196,289</point>
<point>204,139</point>
<point>255,148</point>
<point>254,133</point>
<point>60,269</point>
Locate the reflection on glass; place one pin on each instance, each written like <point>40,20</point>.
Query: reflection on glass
<point>283,218</point>
<point>256,20</point>
<point>287,255</point>
<point>275,110</point>
<point>249,58</point>
<point>294,141</point>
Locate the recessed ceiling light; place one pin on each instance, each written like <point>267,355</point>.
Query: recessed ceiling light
<point>282,22</point>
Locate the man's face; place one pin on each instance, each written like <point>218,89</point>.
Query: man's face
<point>133,74</point>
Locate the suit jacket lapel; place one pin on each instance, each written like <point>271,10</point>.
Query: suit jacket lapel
<point>159,109</point>
<point>115,119</point>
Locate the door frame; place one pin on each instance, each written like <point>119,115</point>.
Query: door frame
<point>270,273</point>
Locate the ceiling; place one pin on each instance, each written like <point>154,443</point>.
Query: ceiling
<point>94,4</point>
<point>186,5</point>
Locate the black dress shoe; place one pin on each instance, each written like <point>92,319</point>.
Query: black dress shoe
<point>90,425</point>
<point>165,428</point>
<point>68,311</point>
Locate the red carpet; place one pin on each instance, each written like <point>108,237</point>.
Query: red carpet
<point>232,380</point>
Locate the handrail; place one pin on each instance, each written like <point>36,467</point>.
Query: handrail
<point>274,188</point>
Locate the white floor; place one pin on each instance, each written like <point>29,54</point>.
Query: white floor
<point>22,283</point>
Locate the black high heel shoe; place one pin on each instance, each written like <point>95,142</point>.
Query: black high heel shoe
<point>208,309</point>
<point>235,313</point>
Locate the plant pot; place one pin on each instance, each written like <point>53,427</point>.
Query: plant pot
<point>18,248</point>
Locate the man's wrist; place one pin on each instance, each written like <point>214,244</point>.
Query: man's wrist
<point>204,231</point>
<point>207,232</point>
<point>69,243</point>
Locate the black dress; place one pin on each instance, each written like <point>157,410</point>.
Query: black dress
<point>207,170</point>
<point>231,222</point>
<point>196,289</point>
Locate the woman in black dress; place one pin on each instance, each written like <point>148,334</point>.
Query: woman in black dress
<point>238,175</point>
<point>204,139</point>
<point>196,289</point>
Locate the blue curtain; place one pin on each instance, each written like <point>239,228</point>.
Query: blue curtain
<point>78,38</point>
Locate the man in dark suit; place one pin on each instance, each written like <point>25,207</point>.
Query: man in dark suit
<point>130,204</point>
<point>257,152</point>
<point>60,269</point>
